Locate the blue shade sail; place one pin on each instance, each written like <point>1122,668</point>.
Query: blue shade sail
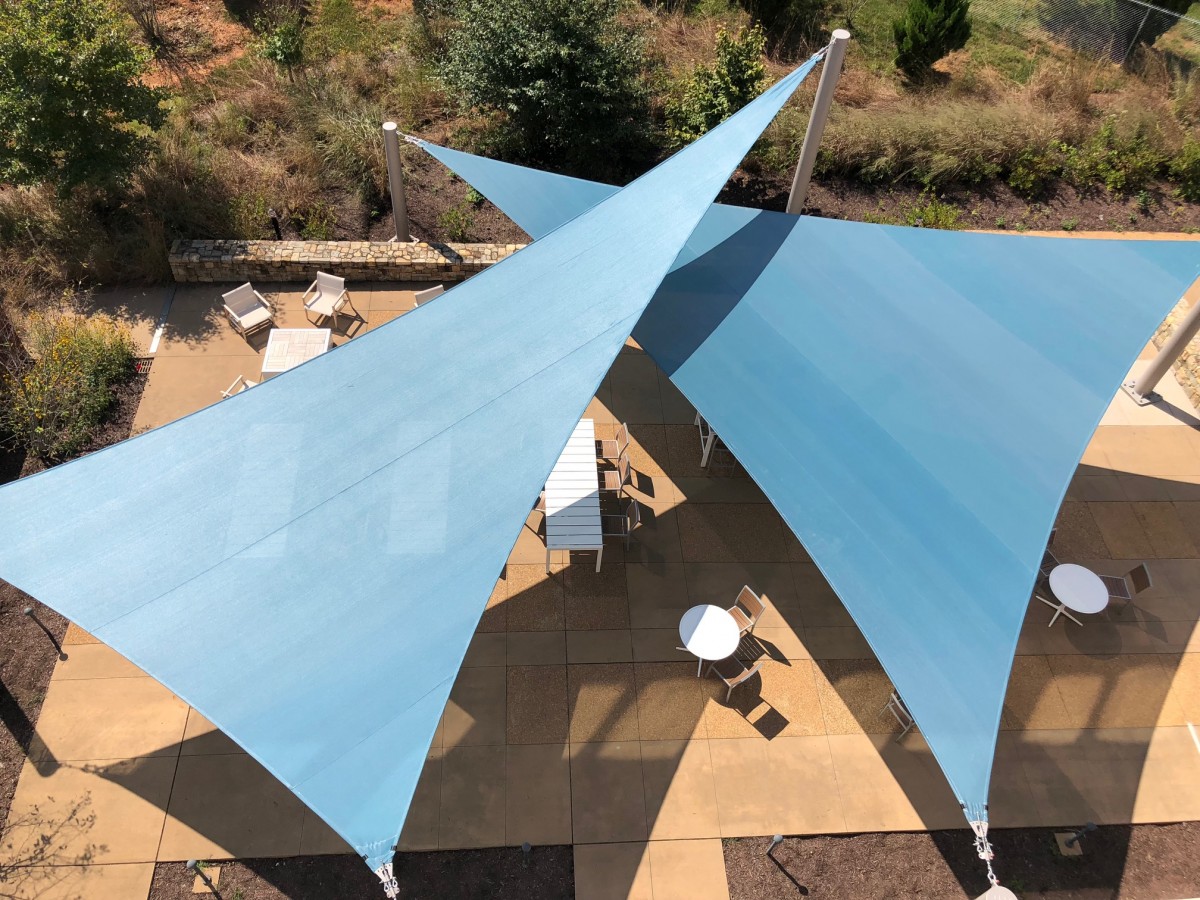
<point>336,531</point>
<point>913,402</point>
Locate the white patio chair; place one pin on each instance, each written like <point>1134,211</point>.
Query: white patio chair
<point>240,384</point>
<point>422,297</point>
<point>897,708</point>
<point>329,297</point>
<point>247,309</point>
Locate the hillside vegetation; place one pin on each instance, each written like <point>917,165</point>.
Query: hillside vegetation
<point>277,105</point>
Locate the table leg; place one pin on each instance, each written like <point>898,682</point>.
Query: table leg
<point>708,445</point>
<point>599,555</point>
<point>699,666</point>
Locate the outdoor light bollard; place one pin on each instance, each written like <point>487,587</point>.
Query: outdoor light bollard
<point>42,625</point>
<point>1141,389</point>
<point>831,70</point>
<point>775,842</point>
<point>1076,835</point>
<point>274,217</point>
<point>391,148</point>
<point>193,866</point>
<point>525,848</point>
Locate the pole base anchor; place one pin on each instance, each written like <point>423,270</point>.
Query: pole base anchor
<point>1130,388</point>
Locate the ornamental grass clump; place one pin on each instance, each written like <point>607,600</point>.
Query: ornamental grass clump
<point>53,407</point>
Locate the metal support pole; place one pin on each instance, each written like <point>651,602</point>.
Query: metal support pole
<point>391,147</point>
<point>42,625</point>
<point>831,71</point>
<point>1142,388</point>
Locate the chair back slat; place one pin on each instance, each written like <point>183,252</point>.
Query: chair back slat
<point>1138,579</point>
<point>752,603</point>
<point>242,300</point>
<point>634,514</point>
<point>330,284</point>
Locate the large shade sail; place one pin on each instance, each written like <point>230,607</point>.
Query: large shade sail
<point>339,529</point>
<point>913,402</point>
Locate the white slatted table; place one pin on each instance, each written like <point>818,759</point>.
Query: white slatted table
<point>288,347</point>
<point>573,497</point>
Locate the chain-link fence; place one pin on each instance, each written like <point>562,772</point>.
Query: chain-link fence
<point>1104,29</point>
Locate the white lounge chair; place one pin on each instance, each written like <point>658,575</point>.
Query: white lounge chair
<point>329,297</point>
<point>428,294</point>
<point>247,309</point>
<point>240,384</point>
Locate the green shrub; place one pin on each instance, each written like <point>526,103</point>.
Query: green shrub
<point>457,223</point>
<point>1185,170</point>
<point>928,30</point>
<point>283,40</point>
<point>1121,160</point>
<point>1032,172</point>
<point>318,221</point>
<point>712,95</point>
<point>933,212</point>
<point>564,77</point>
<point>55,405</point>
<point>73,107</point>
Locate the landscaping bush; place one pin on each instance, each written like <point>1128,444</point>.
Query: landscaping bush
<point>73,105</point>
<point>1122,160</point>
<point>563,75</point>
<point>928,30</point>
<point>1185,170</point>
<point>54,407</point>
<point>713,94</point>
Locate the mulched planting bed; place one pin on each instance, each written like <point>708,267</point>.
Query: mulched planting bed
<point>499,874</point>
<point>1139,862</point>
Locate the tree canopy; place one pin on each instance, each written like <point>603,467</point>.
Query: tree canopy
<point>564,73</point>
<point>73,108</point>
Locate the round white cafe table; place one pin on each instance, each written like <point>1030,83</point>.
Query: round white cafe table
<point>709,632</point>
<point>1078,589</point>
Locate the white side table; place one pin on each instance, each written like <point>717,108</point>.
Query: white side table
<point>288,347</point>
<point>1076,588</point>
<point>709,633</point>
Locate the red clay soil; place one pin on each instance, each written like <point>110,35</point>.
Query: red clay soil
<point>1140,862</point>
<point>498,874</point>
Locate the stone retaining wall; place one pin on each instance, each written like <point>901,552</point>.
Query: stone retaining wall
<point>1187,367</point>
<point>355,260</point>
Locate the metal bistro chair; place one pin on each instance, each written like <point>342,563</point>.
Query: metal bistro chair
<point>1126,587</point>
<point>247,310</point>
<point>622,525</point>
<point>329,297</point>
<point>613,450</point>
<point>614,481</point>
<point>747,609</point>
<point>897,708</point>
<point>733,672</point>
<point>708,439</point>
<point>1049,562</point>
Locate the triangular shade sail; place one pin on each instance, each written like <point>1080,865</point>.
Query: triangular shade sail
<point>305,563</point>
<point>913,402</point>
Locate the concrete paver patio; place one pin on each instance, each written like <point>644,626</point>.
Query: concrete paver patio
<point>577,720</point>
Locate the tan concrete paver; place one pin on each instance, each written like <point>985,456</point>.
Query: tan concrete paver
<point>1165,529</point>
<point>854,694</point>
<point>781,700</point>
<point>843,642</point>
<point>318,839</point>
<point>599,646</point>
<point>537,705</point>
<point>486,649</point>
<point>688,870</point>
<point>476,713</point>
<point>495,614</point>
<point>535,599</point>
<point>180,385</point>
<point>138,308</point>
<point>658,645</point>
<point>656,540</point>
<point>473,802</point>
<point>670,701</point>
<point>108,718</point>
<point>597,600</point>
<point>707,489</point>
<point>76,635</point>
<point>127,881</point>
<point>95,660</point>
<point>111,809</point>
<point>1033,700</point>
<point>731,532</point>
<point>677,409</point>
<point>1077,534</point>
<point>1168,788</point>
<point>538,795</point>
<point>1183,670</point>
<point>634,381</point>
<point>423,823</point>
<point>658,595</point>
<point>1121,692</point>
<point>202,738</point>
<point>720,583</point>
<point>536,648</point>
<point>889,784</point>
<point>607,792</point>
<point>613,871</point>
<point>681,797</point>
<point>602,702</point>
<point>229,806</point>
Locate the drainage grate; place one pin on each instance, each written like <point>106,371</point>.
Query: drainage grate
<point>142,366</point>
